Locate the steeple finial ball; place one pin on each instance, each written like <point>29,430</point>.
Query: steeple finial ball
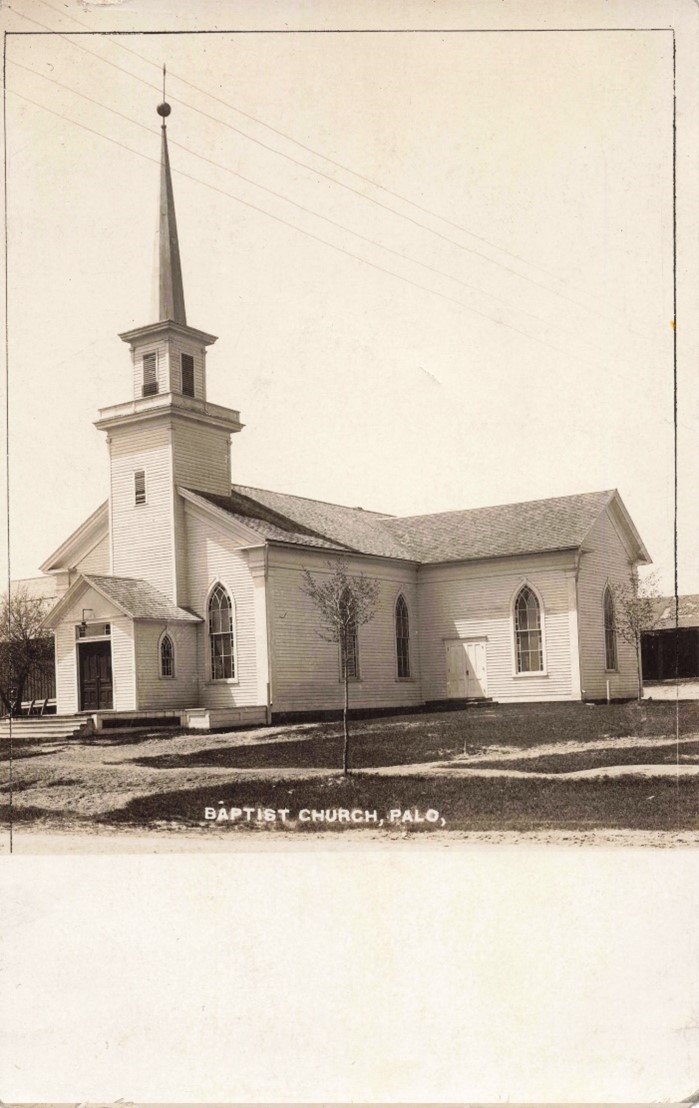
<point>163,110</point>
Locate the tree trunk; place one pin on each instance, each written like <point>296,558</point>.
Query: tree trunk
<point>639,672</point>
<point>345,726</point>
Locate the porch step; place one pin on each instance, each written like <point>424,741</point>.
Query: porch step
<point>46,728</point>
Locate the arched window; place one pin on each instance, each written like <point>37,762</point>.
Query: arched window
<point>167,657</point>
<point>609,630</point>
<point>530,654</point>
<point>402,637</point>
<point>221,635</point>
<point>349,645</point>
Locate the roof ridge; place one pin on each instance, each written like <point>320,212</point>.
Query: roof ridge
<point>273,516</point>
<point>315,500</point>
<point>489,507</point>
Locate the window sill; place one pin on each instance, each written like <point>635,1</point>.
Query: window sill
<point>166,677</point>
<point>222,681</point>
<point>406,680</point>
<point>612,672</point>
<point>531,673</point>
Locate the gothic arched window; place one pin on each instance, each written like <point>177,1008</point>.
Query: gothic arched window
<point>528,637</point>
<point>349,644</point>
<point>220,614</point>
<point>609,630</point>
<point>167,657</point>
<point>402,637</point>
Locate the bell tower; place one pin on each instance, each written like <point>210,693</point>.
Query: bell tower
<point>168,435</point>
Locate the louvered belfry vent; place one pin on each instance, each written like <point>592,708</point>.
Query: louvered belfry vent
<point>150,374</point>
<point>187,375</point>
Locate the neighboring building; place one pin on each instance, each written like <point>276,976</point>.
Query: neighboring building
<point>670,650</point>
<point>183,591</point>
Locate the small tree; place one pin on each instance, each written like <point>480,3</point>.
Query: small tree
<point>344,604</point>
<point>635,610</point>
<point>26,648</point>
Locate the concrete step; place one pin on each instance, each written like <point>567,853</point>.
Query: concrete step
<point>49,728</point>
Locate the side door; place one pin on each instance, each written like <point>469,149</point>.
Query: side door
<point>456,670</point>
<point>477,669</point>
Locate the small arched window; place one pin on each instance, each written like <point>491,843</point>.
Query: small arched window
<point>609,630</point>
<point>402,637</point>
<point>167,657</point>
<point>528,638</point>
<point>221,635</point>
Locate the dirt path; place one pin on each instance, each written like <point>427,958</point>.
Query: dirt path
<point>220,840</point>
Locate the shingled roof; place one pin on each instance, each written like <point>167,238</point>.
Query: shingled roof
<point>138,599</point>
<point>533,527</point>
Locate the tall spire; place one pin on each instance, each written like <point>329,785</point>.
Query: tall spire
<point>170,290</point>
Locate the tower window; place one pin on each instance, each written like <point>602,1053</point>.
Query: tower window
<point>139,486</point>
<point>187,375</point>
<point>150,374</point>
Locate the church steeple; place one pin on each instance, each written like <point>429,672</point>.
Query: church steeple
<point>170,288</point>
<point>169,435</point>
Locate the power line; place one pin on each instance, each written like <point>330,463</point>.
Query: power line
<point>331,161</point>
<point>310,211</point>
<point>309,234</point>
<point>311,169</point>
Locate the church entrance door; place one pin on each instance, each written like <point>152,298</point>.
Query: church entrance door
<point>96,691</point>
<point>467,673</point>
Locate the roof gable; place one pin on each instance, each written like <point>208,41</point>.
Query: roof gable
<point>130,596</point>
<point>80,542</point>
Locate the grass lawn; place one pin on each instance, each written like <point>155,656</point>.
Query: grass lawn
<point>149,780</point>
<point>438,736</point>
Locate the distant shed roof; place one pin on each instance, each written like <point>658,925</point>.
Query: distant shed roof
<point>688,612</point>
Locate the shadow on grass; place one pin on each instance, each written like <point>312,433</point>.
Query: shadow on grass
<point>599,759</point>
<point>475,805</point>
<point>315,752</point>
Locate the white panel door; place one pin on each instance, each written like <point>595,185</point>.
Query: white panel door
<point>467,673</point>
<point>476,669</point>
<point>456,670</point>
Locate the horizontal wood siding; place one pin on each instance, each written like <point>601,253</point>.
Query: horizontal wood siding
<point>306,670</point>
<point>96,560</point>
<point>143,541</point>
<point>123,667</point>
<point>154,691</point>
<point>213,556</point>
<point>606,559</point>
<point>66,670</point>
<point>201,457</point>
<point>472,602</point>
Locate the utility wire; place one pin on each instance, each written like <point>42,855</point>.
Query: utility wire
<point>312,212</point>
<point>332,161</point>
<point>308,168</point>
<point>310,234</point>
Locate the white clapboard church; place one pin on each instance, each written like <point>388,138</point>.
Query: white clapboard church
<point>182,593</point>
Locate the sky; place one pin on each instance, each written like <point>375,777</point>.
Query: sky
<point>440,265</point>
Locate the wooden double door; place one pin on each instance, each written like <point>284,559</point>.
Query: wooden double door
<point>96,687</point>
<point>467,668</point>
